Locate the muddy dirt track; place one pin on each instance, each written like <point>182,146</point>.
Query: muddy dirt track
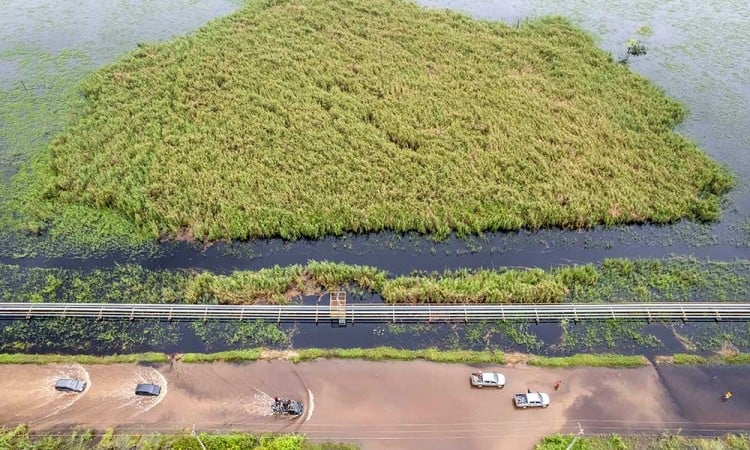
<point>382,405</point>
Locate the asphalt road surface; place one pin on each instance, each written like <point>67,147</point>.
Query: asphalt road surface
<point>382,405</point>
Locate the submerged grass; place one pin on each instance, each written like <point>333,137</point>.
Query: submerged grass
<point>433,122</point>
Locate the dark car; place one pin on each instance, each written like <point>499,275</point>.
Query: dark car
<point>70,385</point>
<point>148,389</point>
<point>287,407</point>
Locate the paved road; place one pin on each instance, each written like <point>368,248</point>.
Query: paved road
<point>383,405</point>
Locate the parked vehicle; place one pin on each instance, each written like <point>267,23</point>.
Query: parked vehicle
<point>491,379</point>
<point>70,385</point>
<point>532,400</point>
<point>148,389</point>
<point>287,407</point>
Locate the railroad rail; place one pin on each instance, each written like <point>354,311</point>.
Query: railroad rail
<point>356,313</point>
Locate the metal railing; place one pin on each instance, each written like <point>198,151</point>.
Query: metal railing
<point>714,311</point>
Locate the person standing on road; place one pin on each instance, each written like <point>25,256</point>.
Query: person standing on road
<point>557,385</point>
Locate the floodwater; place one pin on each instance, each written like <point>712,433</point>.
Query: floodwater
<point>396,404</point>
<point>697,53</point>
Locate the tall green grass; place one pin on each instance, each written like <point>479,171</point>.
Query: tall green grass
<point>390,353</point>
<point>672,279</point>
<point>589,360</point>
<point>20,438</point>
<point>19,358</point>
<point>482,286</point>
<point>270,285</point>
<point>689,359</point>
<point>248,355</point>
<point>663,442</point>
<point>300,118</point>
<point>380,354</point>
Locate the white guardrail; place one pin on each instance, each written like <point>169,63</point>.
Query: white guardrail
<point>685,311</point>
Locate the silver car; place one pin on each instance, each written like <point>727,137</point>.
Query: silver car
<point>531,400</point>
<point>491,379</point>
<point>70,385</point>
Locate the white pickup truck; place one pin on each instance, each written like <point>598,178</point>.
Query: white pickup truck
<point>532,400</point>
<point>492,379</point>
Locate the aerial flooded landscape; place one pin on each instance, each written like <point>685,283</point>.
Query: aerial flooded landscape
<point>375,224</point>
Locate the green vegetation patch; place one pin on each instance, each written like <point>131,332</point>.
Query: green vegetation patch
<point>280,284</point>
<point>383,354</point>
<point>78,439</point>
<point>688,359</point>
<point>300,118</point>
<point>477,286</point>
<point>653,280</point>
<point>389,353</point>
<point>18,358</point>
<point>589,360</point>
<point>614,280</point>
<point>664,442</point>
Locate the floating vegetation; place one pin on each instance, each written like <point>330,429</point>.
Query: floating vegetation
<point>633,47</point>
<point>253,126</point>
<point>644,30</point>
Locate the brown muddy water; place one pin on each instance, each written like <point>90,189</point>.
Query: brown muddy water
<point>408,405</point>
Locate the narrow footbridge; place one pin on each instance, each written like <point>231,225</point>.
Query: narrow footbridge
<point>358,312</point>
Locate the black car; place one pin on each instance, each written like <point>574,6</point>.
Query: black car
<point>148,389</point>
<point>70,385</point>
<point>287,407</point>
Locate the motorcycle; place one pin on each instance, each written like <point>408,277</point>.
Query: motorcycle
<point>287,407</point>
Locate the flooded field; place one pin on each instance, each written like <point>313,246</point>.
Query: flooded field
<point>695,54</point>
<point>692,55</point>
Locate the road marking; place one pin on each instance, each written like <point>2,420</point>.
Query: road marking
<point>311,402</point>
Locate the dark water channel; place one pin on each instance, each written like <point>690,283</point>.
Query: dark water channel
<point>695,54</point>
<point>77,336</point>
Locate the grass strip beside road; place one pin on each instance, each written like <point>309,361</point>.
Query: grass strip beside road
<point>20,358</point>
<point>370,354</point>
<point>662,442</point>
<point>78,439</point>
<point>690,359</point>
<point>390,353</point>
<point>588,360</point>
<point>385,354</point>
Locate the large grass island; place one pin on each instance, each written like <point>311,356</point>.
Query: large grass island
<point>303,118</point>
